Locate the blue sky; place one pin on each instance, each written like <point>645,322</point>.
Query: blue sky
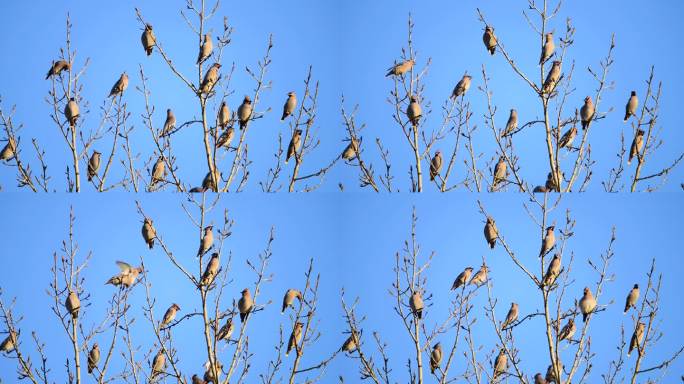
<point>350,45</point>
<point>353,242</point>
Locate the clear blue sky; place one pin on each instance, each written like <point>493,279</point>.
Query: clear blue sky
<point>353,243</point>
<point>350,45</point>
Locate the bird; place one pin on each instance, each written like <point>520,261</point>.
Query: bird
<point>567,138</point>
<point>158,171</point>
<point>552,271</point>
<point>631,107</point>
<point>9,150</point>
<point>290,295</point>
<point>207,240</point>
<point>552,77</point>
<point>350,344</point>
<point>126,277</point>
<point>226,138</point>
<point>480,276</point>
<point>93,165</point>
<point>400,68</point>
<point>489,40</point>
<point>158,364</point>
<point>587,304</point>
<point>148,40</point>
<point>351,150</point>
<point>245,111</point>
<point>568,330</point>
<point>416,304</point>
<point>550,183</point>
<point>197,380</point>
<point>500,364</point>
<point>436,165</point>
<point>435,357</point>
<point>551,375</point>
<point>9,343</point>
<point>210,78</point>
<point>538,379</point>
<point>120,86</point>
<point>71,112</point>
<point>57,67</point>
<point>632,298</point>
<point>226,330</point>
<point>490,232</point>
<point>211,270</point>
<point>93,357</point>
<point>547,49</point>
<point>413,111</point>
<point>511,317</point>
<point>511,124</point>
<point>290,105</point>
<point>587,112</point>
<point>461,87</point>
<point>205,49</point>
<point>72,304</point>
<point>170,122</point>
<point>208,184</point>
<point>294,337</point>
<point>209,376</point>
<point>462,278</point>
<point>223,115</point>
<point>245,304</point>
<point>637,145</point>
<point>295,144</point>
<point>637,337</point>
<point>169,315</point>
<point>548,242</point>
<point>148,232</point>
<point>499,172</point>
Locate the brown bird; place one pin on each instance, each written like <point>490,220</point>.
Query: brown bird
<point>148,232</point>
<point>550,184</point>
<point>548,242</point>
<point>197,380</point>
<point>126,277</point>
<point>210,78</point>
<point>57,68</point>
<point>631,107</point>
<point>226,330</point>
<point>511,317</point>
<point>568,330</point>
<point>211,270</point>
<point>208,184</point>
<point>552,77</point>
<point>205,49</point>
<point>295,144</point>
<point>587,304</point>
<point>413,111</point>
<point>290,105</point>
<point>9,343</point>
<point>539,379</point>
<point>158,364</point>
<point>170,122</point>
<point>9,150</point>
<point>416,304</point>
<point>71,112</point>
<point>632,298</point>
<point>351,150</point>
<point>158,171</point>
<point>294,337</point>
<point>226,138</point>
<point>170,315</point>
<point>511,124</point>
<point>435,357</point>
<point>94,165</point>
<point>72,304</point>
<point>435,165</point>
<point>489,40</point>
<point>400,68</point>
<point>290,296</point>
<point>245,112</point>
<point>490,232</point>
<point>480,276</point>
<point>587,112</point>
<point>209,376</point>
<point>500,364</point>
<point>551,375</point>
<point>547,49</point>
<point>462,278</point>
<point>207,240</point>
<point>351,343</point>
<point>120,86</point>
<point>567,138</point>
<point>499,172</point>
<point>223,115</point>
<point>552,271</point>
<point>637,337</point>
<point>461,87</point>
<point>245,304</point>
<point>93,357</point>
<point>637,144</point>
<point>148,40</point>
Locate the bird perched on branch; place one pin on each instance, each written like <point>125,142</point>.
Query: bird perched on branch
<point>158,364</point>
<point>500,364</point>
<point>93,357</point>
<point>637,144</point>
<point>490,232</point>
<point>223,115</point>
<point>94,165</point>
<point>210,78</point>
<point>511,124</point>
<point>462,278</point>
<point>205,49</point>
<point>295,144</point>
<point>71,112</point>
<point>631,107</point>
<point>244,111</point>
<point>211,270</point>
<point>567,138</point>
<point>413,111</point>
<point>170,315</point>
<point>435,357</point>
<point>72,304</point>
<point>245,304</point>
<point>568,330</point>
<point>207,240</point>
<point>461,87</point>
<point>120,86</point>
<point>436,165</point>
<point>158,172</point>
<point>480,276</point>
<point>169,123</point>
<point>547,49</point>
<point>552,271</point>
<point>416,304</point>
<point>295,336</point>
<point>351,150</point>
<point>632,298</point>
<point>499,172</point>
<point>587,304</point>
<point>637,338</point>
<point>290,296</point>
<point>226,330</point>
<point>148,40</point>
<point>57,67</point>
<point>548,242</point>
<point>400,68</point>
<point>350,344</point>
<point>226,138</point>
<point>587,112</point>
<point>9,150</point>
<point>148,232</point>
<point>552,77</point>
<point>489,40</point>
<point>511,317</point>
<point>9,343</point>
<point>290,105</point>
<point>127,276</point>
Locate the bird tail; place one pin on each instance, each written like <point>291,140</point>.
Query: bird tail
<point>151,244</point>
<point>90,178</point>
<point>492,244</point>
<point>626,117</point>
<point>584,317</point>
<point>90,369</point>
